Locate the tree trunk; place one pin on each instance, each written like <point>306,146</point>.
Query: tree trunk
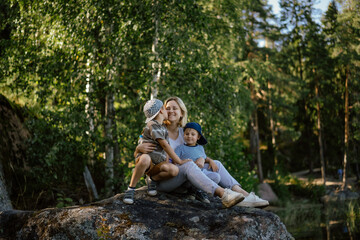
<point>255,127</point>
<point>272,123</point>
<point>109,148</point>
<point>346,134</point>
<point>93,194</point>
<point>272,127</point>
<point>322,161</point>
<point>90,185</point>
<point>5,203</point>
<point>156,64</point>
<point>253,144</point>
<point>110,123</point>
<point>258,154</point>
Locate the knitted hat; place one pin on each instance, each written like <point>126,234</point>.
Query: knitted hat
<point>197,127</point>
<point>152,108</point>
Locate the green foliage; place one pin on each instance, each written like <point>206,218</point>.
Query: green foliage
<point>309,190</point>
<point>353,214</point>
<point>232,153</point>
<point>58,148</point>
<point>66,59</point>
<point>63,201</point>
<point>288,187</point>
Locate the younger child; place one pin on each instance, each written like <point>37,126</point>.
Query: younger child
<point>193,149</point>
<point>154,132</point>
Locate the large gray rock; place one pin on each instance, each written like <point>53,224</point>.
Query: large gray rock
<point>166,216</point>
<point>340,196</point>
<point>265,192</point>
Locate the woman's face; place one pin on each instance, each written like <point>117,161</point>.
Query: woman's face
<point>174,111</point>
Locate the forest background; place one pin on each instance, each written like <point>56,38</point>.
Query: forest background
<point>82,70</point>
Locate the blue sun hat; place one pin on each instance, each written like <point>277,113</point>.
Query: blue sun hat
<point>152,109</point>
<point>197,127</point>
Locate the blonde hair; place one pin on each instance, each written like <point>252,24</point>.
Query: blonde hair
<point>183,119</point>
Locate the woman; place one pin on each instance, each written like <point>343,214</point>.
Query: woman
<point>177,118</point>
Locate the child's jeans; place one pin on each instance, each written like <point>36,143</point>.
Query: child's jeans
<point>221,177</point>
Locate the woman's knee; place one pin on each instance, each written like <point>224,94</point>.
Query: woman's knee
<point>174,170</point>
<point>171,169</point>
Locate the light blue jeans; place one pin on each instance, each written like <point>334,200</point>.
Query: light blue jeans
<point>189,172</point>
<point>221,177</point>
<point>192,173</point>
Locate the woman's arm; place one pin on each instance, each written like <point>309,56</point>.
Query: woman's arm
<point>144,148</point>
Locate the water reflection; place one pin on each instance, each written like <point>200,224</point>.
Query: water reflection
<point>336,220</point>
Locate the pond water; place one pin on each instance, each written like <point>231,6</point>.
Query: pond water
<point>338,220</point>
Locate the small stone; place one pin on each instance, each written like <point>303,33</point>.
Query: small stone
<point>195,219</point>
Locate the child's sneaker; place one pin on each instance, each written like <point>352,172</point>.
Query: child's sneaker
<point>129,196</point>
<point>230,198</point>
<point>151,186</point>
<point>253,201</point>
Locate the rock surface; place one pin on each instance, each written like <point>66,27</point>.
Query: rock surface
<point>340,195</point>
<point>166,216</point>
<point>265,192</point>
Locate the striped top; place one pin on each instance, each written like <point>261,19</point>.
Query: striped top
<point>190,152</point>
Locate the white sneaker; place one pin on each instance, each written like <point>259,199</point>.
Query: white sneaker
<point>230,198</point>
<point>253,201</point>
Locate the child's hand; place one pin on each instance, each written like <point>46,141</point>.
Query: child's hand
<point>213,166</point>
<point>200,162</point>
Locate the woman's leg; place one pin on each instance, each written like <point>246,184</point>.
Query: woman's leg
<point>191,172</point>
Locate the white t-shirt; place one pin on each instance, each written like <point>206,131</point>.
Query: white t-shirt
<point>179,141</point>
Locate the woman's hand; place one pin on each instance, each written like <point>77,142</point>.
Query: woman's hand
<point>200,162</point>
<point>146,147</point>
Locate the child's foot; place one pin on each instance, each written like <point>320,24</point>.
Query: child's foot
<point>230,198</point>
<point>253,201</point>
<point>151,186</point>
<point>129,196</point>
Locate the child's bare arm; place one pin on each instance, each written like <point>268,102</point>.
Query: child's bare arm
<point>200,162</point>
<point>168,149</point>
<point>212,164</point>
